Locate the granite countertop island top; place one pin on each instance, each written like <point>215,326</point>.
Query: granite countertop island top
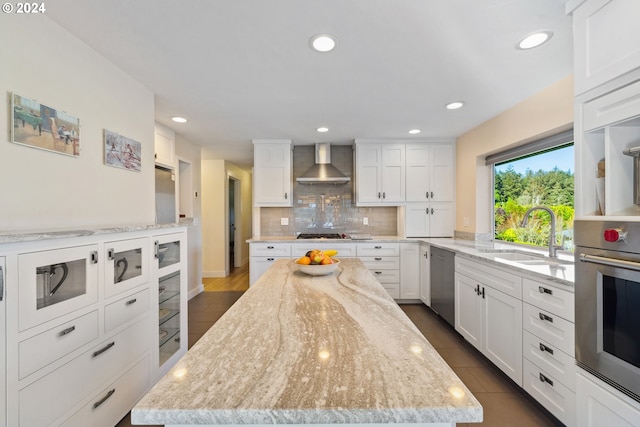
<point>298,349</point>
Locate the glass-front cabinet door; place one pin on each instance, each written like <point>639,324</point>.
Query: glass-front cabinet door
<point>126,265</point>
<point>171,276</point>
<point>56,282</point>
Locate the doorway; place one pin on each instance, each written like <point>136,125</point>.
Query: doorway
<point>233,217</point>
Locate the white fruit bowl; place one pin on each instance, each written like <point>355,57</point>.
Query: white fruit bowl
<point>318,269</point>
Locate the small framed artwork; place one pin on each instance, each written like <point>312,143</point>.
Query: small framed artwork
<point>122,152</point>
<point>40,126</point>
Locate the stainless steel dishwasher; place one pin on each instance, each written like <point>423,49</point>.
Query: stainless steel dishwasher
<point>442,269</point>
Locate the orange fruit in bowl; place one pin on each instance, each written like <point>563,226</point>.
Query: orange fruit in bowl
<point>305,260</point>
<point>326,260</point>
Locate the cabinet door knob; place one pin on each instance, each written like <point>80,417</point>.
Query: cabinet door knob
<point>286,196</point>
<point>103,349</point>
<point>545,317</point>
<point>432,194</point>
<point>431,211</point>
<point>544,290</point>
<point>427,194</point>
<point>104,399</point>
<point>545,348</point>
<point>384,195</point>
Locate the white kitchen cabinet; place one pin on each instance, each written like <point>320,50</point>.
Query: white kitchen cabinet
<point>429,219</point>
<point>96,334</point>
<point>380,174</point>
<point>409,271</point>
<point>345,250</point>
<point>3,338</point>
<point>170,276</point>
<point>489,319</point>
<point>598,404</point>
<point>272,173</point>
<point>606,46</point>
<point>425,276</point>
<point>165,146</point>
<point>430,172</point>
<point>126,266</point>
<point>263,255</point>
<point>383,260</point>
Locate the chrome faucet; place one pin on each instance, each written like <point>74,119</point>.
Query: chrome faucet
<point>553,247</point>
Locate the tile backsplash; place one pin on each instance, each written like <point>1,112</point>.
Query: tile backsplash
<point>326,208</point>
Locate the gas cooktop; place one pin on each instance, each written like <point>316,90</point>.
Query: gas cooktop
<point>320,236</point>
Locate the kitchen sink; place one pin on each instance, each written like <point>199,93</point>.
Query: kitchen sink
<point>525,258</point>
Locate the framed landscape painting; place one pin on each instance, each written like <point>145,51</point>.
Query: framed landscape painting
<point>40,126</point>
<point>122,152</point>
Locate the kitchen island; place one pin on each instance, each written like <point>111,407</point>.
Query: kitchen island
<point>298,349</point>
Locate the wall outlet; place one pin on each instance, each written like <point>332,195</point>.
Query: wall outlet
<point>466,221</point>
<point>284,221</point>
<point>365,221</point>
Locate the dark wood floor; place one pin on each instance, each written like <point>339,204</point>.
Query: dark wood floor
<point>503,402</point>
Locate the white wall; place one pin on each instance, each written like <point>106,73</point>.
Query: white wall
<point>43,189</point>
<point>546,113</point>
<point>190,153</point>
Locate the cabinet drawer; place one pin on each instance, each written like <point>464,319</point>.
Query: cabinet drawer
<point>126,309</point>
<point>271,249</point>
<point>547,390</point>
<point>378,249</point>
<point>46,347</point>
<point>489,275</point>
<point>344,250</point>
<point>381,262</point>
<point>550,298</point>
<point>109,405</point>
<point>56,393</point>
<point>126,265</point>
<point>551,328</point>
<point>550,358</point>
<point>386,276</point>
<point>613,107</point>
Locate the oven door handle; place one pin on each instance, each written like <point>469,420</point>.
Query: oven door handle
<point>594,259</point>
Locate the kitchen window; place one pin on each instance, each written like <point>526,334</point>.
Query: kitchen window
<point>539,173</point>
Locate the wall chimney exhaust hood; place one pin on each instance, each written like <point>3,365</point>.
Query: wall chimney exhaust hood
<point>323,172</point>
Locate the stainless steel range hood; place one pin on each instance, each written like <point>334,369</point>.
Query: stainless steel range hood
<point>323,172</point>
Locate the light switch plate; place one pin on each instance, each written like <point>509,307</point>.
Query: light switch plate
<point>365,221</point>
<point>284,221</point>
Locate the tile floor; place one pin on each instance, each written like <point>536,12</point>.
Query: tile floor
<point>504,403</point>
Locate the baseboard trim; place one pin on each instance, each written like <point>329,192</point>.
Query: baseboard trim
<point>193,292</point>
<point>212,274</point>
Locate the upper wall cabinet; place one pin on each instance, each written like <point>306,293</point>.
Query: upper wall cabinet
<point>606,41</point>
<point>430,172</point>
<point>272,172</point>
<point>165,146</point>
<point>380,174</point>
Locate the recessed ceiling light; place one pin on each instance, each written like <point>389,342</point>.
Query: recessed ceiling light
<point>414,131</point>
<point>322,129</point>
<point>454,105</point>
<point>178,119</point>
<point>322,42</point>
<point>534,40</point>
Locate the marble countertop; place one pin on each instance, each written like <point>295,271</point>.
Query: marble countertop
<point>298,349</point>
<point>563,274</point>
<point>31,236</point>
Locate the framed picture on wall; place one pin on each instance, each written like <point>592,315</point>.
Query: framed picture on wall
<point>40,126</point>
<point>122,152</point>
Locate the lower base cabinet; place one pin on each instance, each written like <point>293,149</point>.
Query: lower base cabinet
<point>599,404</point>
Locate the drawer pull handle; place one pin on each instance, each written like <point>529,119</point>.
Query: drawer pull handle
<point>132,301</point>
<point>377,247</point>
<point>545,379</point>
<point>545,317</point>
<point>545,348</point>
<point>378,259</point>
<point>103,349</point>
<point>67,331</point>
<point>270,259</point>
<point>104,399</point>
<point>269,247</point>
<point>545,290</point>
<point>378,272</point>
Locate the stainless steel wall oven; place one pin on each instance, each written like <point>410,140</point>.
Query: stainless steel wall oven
<point>607,302</point>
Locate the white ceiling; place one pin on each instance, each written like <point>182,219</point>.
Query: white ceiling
<point>243,69</point>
